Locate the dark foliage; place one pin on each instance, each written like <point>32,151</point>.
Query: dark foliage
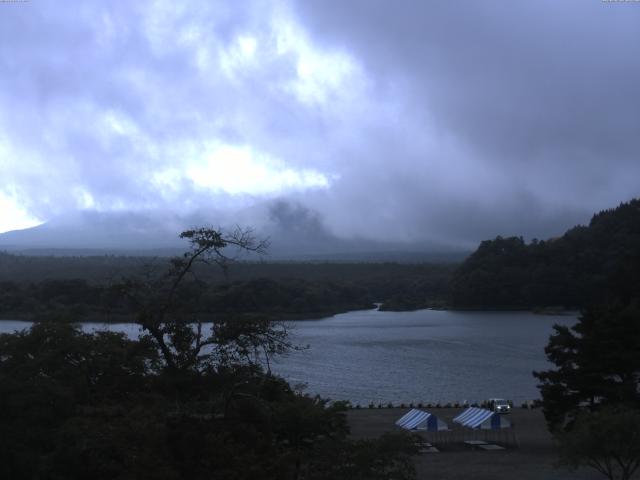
<point>607,441</point>
<point>50,375</point>
<point>76,406</point>
<point>285,298</point>
<point>598,363</point>
<point>278,290</point>
<point>571,271</point>
<point>181,402</point>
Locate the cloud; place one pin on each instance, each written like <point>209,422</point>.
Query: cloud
<point>110,106</point>
<point>404,121</point>
<point>506,110</point>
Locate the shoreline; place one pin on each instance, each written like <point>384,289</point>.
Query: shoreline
<point>527,404</point>
<point>311,316</point>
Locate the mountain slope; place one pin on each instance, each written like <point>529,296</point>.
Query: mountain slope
<point>295,233</point>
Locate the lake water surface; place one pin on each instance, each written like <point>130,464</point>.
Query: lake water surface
<point>422,356</point>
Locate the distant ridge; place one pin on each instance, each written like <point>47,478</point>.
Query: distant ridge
<point>91,252</point>
<point>295,234</point>
<point>89,230</point>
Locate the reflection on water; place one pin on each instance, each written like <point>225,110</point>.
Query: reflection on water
<point>422,356</point>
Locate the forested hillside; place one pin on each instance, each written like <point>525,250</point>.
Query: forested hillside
<point>571,271</point>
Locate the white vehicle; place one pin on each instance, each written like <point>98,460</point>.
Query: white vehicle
<point>499,405</point>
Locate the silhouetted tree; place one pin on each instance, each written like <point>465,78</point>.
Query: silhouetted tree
<point>598,363</point>
<point>167,309</point>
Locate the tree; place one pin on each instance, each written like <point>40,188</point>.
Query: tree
<point>607,440</point>
<point>167,308</point>
<point>51,373</point>
<point>592,400</point>
<point>572,271</point>
<point>75,405</point>
<point>598,363</point>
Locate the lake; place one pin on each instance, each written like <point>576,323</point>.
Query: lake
<point>422,356</point>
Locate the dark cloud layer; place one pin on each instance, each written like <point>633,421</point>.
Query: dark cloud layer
<point>403,121</point>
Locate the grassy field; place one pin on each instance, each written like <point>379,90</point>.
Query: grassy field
<point>530,456</point>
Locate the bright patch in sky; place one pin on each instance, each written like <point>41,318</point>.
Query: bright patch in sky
<point>237,170</point>
<point>321,74</point>
<point>13,216</point>
<point>240,55</point>
<point>84,198</point>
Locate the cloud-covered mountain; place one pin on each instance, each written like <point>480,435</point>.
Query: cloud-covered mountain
<point>96,230</point>
<point>294,232</point>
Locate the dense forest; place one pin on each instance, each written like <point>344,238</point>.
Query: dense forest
<point>571,271</point>
<point>83,287</point>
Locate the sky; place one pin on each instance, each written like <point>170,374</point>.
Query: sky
<point>405,121</point>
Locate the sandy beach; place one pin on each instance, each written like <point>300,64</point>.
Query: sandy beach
<point>530,455</point>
